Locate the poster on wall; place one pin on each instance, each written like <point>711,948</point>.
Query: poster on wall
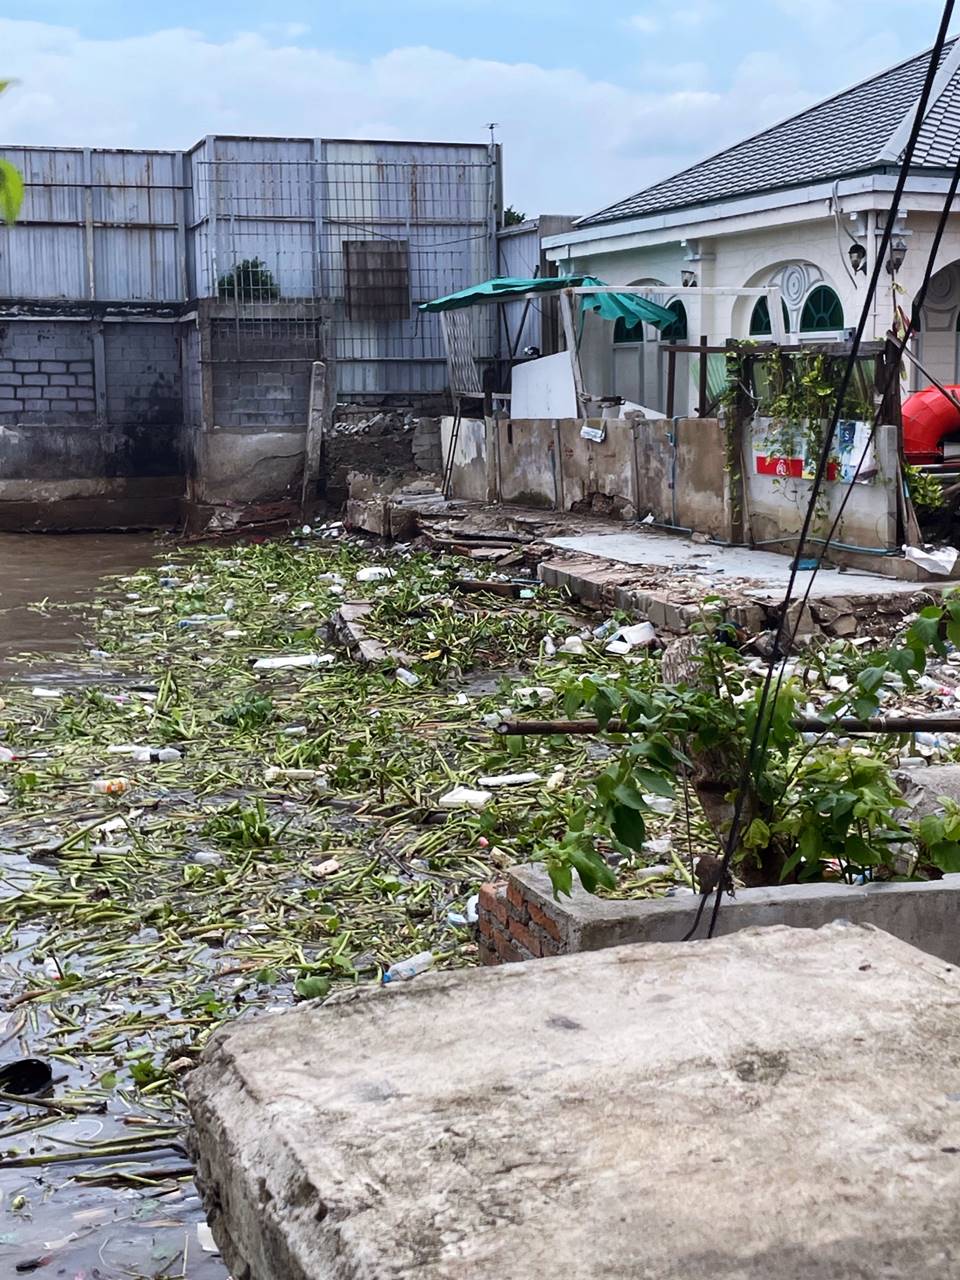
<point>854,457</point>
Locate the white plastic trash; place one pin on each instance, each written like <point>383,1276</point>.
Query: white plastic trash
<point>465,798</point>
<point>282,662</point>
<point>640,635</point>
<point>409,678</point>
<point>374,573</point>
<point>509,780</point>
<point>404,970</point>
<point>574,645</point>
<point>934,560</point>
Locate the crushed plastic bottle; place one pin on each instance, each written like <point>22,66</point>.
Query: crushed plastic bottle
<point>110,786</point>
<point>404,970</point>
<point>284,661</point>
<point>409,678</point>
<point>374,573</point>
<point>146,755</point>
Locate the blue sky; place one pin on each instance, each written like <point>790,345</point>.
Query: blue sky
<point>594,99</point>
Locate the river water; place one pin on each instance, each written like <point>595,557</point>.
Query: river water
<point>59,568</point>
<point>81,1232</point>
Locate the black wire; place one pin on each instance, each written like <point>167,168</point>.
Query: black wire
<point>752,759</point>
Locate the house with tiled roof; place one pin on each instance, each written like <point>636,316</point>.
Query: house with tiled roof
<point>799,206</point>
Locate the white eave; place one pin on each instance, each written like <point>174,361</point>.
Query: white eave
<point>745,213</point>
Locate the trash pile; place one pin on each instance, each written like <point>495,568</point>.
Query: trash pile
<point>215,810</point>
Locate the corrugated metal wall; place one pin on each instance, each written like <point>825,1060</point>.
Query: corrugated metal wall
<point>161,227</point>
<point>105,225</point>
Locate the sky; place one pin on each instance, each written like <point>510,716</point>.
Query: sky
<point>593,99</point>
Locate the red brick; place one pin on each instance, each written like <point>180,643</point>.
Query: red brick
<point>515,895</point>
<point>525,937</point>
<point>547,923</point>
<point>506,950</point>
<point>486,924</point>
<point>493,901</point>
<point>488,955</point>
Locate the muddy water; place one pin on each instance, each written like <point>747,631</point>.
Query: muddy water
<point>49,1219</point>
<point>59,568</point>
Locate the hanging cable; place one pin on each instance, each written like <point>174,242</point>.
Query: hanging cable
<point>759,735</point>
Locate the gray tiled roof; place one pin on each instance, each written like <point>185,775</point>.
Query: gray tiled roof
<point>845,134</point>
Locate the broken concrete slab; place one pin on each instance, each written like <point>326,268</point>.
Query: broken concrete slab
<point>347,628</point>
<point>725,1110</point>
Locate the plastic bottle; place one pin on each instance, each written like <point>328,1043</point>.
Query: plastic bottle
<point>404,970</point>
<point>111,786</point>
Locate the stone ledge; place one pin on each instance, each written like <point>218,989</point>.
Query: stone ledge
<point>925,914</point>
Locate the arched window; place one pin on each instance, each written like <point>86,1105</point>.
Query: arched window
<point>821,311</point>
<point>676,331</point>
<point>760,325</point>
<point>623,332</point>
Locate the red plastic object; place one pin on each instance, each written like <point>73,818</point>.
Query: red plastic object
<point>928,416</point>
<point>789,467</point>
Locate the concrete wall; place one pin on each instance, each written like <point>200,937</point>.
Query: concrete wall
<point>682,474</point>
<point>470,479</point>
<point>542,462</point>
<point>91,418</point>
<point>777,506</point>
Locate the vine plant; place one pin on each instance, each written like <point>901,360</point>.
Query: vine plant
<point>813,808</point>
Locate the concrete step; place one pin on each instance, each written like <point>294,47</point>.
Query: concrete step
<point>773,1103</point>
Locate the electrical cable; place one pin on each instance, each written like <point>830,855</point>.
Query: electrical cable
<point>753,755</point>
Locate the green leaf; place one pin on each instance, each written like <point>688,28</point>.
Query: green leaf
<point>810,842</point>
<point>629,827</point>
<point>654,782</point>
<point>592,870</point>
<point>312,988</point>
<point>870,679</point>
<point>757,835</point>
<point>11,191</point>
<point>946,857</point>
<point>108,1080</point>
<point>930,830</point>
<point>628,794</point>
<point>561,876</point>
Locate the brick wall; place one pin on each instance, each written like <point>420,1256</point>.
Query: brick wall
<point>46,373</point>
<point>512,928</point>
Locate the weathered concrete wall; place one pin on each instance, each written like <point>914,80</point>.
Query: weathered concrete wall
<point>682,474</point>
<point>777,505</point>
<point>598,476</point>
<point>527,461</point>
<point>91,416</point>
<point>778,1103</point>
<point>470,479</point>
<point>522,919</point>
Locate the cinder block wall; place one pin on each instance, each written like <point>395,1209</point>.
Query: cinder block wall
<point>46,373</point>
<point>92,418</point>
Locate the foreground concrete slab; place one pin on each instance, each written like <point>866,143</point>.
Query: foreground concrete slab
<point>775,1103</point>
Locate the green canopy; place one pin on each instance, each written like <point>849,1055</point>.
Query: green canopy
<point>628,307</point>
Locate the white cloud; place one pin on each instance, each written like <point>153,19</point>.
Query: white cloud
<point>644,23</point>
<point>571,142</point>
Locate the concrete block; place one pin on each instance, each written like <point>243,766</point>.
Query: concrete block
<point>27,366</point>
<point>53,366</point>
<point>6,366</point>
<point>7,393</point>
<point>925,914</point>
<point>55,393</point>
<point>727,1110</point>
<point>62,380</point>
<point>36,379</point>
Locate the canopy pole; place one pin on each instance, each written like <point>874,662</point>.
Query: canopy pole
<point>570,337</point>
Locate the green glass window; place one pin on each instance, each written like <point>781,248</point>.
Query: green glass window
<point>622,332</point>
<point>821,311</point>
<point>760,325</point>
<point>677,330</point>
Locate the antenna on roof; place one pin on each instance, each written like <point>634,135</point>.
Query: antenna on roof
<point>493,126</point>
